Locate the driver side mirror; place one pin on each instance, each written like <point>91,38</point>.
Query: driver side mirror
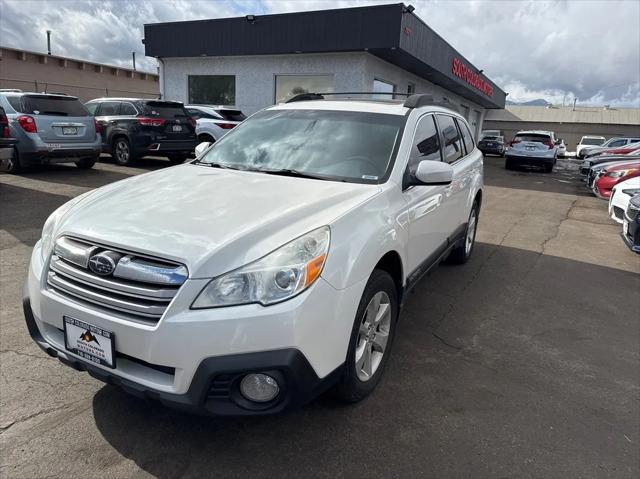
<point>432,173</point>
<point>202,147</point>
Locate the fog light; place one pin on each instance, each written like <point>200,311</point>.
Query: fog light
<point>259,387</point>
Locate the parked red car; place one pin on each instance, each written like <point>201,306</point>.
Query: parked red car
<point>614,175</point>
<point>623,150</point>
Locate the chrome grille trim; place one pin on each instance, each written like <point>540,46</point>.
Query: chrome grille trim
<point>60,283</point>
<point>129,289</point>
<point>140,289</point>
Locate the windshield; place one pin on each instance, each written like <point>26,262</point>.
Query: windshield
<point>339,145</point>
<point>592,141</point>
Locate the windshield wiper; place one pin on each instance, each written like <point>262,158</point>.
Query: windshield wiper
<point>216,165</point>
<point>290,172</point>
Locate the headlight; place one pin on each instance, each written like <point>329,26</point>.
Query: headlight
<point>631,192</point>
<point>278,276</point>
<point>49,228</point>
<point>617,174</point>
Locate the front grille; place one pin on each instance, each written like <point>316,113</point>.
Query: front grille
<point>632,213</point>
<point>138,287</point>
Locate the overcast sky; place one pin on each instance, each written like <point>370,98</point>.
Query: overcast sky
<point>532,49</point>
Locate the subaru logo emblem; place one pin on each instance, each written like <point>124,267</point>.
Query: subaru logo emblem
<point>102,264</point>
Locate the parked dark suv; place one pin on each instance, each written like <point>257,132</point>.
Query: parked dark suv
<point>132,128</point>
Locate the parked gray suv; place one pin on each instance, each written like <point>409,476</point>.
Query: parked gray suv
<point>50,128</point>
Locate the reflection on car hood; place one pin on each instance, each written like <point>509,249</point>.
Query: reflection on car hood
<point>192,213</point>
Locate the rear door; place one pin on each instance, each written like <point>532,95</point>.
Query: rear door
<point>169,120</point>
<point>59,119</point>
<point>464,165</point>
<point>107,116</point>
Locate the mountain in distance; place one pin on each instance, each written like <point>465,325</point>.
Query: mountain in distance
<point>536,102</point>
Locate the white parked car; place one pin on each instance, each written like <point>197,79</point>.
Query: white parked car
<point>588,141</point>
<point>561,148</point>
<point>621,194</point>
<point>267,270</point>
<point>213,122</point>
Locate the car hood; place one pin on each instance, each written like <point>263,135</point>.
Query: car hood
<point>210,219</point>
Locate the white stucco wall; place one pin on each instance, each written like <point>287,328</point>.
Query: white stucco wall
<point>255,76</point>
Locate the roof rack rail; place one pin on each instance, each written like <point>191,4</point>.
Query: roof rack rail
<point>320,96</point>
<point>421,99</point>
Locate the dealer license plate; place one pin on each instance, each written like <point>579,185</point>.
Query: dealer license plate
<point>69,130</point>
<point>177,128</point>
<point>89,342</point>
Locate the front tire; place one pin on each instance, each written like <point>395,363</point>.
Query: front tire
<point>371,338</point>
<point>462,253</point>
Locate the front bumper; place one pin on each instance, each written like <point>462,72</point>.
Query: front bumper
<point>177,359</point>
<point>214,388</point>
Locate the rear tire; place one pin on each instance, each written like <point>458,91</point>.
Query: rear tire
<point>371,338</point>
<point>14,166</point>
<point>121,151</point>
<point>461,254</point>
<point>86,163</point>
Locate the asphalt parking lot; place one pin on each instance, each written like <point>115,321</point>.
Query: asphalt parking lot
<point>525,362</point>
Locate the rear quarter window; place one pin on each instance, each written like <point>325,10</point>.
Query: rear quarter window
<point>52,105</point>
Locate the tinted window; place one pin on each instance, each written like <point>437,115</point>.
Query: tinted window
<point>451,136</point>
<point>232,115</point>
<point>539,138</point>
<point>91,107</point>
<point>15,103</point>
<point>592,141</point>
<point>354,146</point>
<point>468,139</point>
<point>52,105</point>
<point>426,143</point>
<point>127,109</point>
<point>194,113</point>
<point>212,89</point>
<point>109,108</point>
<point>164,109</point>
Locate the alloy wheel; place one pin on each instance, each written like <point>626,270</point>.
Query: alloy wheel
<point>373,336</point>
<point>122,152</point>
<point>471,232</point>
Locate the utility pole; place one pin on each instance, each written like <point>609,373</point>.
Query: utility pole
<point>133,55</point>
<point>574,104</point>
<point>48,42</point>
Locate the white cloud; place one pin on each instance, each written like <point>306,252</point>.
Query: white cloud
<point>552,49</point>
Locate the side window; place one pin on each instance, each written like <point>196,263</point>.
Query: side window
<point>617,143</point>
<point>193,113</point>
<point>91,107</point>
<point>451,137</point>
<point>426,143</point>
<point>466,136</point>
<point>109,108</point>
<point>128,109</point>
<point>15,103</point>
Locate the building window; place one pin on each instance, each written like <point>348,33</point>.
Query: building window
<point>212,89</point>
<point>411,88</point>
<point>381,86</point>
<point>288,86</point>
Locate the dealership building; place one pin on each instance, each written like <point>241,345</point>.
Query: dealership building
<point>256,61</point>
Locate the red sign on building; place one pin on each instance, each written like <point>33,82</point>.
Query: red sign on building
<point>474,79</point>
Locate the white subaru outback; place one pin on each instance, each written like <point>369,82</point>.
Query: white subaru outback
<point>267,270</point>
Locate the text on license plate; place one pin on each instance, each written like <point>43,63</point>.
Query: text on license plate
<point>177,128</point>
<point>89,342</point>
<point>69,130</point>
